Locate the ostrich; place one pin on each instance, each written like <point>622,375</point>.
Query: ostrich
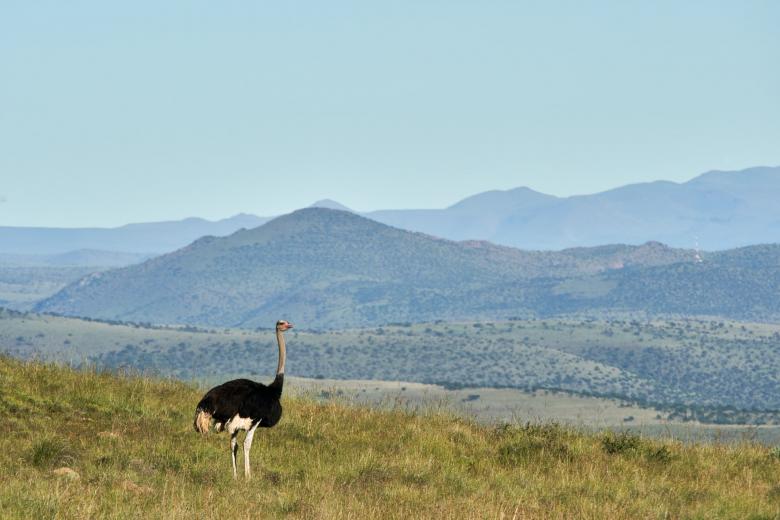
<point>242,404</point>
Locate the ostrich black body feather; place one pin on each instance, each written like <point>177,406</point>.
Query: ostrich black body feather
<point>245,398</point>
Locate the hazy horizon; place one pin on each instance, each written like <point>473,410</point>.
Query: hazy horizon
<point>153,112</point>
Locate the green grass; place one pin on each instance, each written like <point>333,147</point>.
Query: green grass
<point>130,440</point>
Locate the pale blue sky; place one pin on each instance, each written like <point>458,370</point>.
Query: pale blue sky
<point>136,111</point>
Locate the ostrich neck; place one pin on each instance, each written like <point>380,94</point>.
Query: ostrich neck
<point>282,353</point>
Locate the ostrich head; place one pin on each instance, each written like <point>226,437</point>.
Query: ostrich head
<point>283,325</point>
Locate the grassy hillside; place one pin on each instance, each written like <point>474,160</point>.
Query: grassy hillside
<point>739,283</point>
<point>128,445</point>
<point>708,370</point>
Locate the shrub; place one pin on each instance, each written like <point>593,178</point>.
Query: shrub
<point>519,444</point>
<point>620,443</point>
<point>660,455</point>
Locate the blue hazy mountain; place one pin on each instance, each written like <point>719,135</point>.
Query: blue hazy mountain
<point>478,217</point>
<point>77,258</point>
<point>145,238</point>
<point>330,204</point>
<point>716,210</point>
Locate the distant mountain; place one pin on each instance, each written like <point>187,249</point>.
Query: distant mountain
<point>146,238</point>
<point>334,269</point>
<point>81,258</point>
<point>329,204</point>
<point>478,217</point>
<point>717,210</point>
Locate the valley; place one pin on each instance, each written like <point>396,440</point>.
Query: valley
<point>708,371</point>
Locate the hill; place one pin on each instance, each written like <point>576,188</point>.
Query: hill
<point>87,444</point>
<point>332,269</point>
<point>335,269</point>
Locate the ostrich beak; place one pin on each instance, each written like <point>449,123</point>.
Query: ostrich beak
<point>289,325</point>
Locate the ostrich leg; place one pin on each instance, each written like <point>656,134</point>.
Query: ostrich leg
<point>233,450</point>
<point>248,446</point>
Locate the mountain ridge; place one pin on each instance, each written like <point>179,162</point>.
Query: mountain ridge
<point>336,269</point>
<point>145,238</point>
<point>714,211</point>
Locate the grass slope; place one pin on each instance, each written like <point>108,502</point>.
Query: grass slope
<point>130,441</point>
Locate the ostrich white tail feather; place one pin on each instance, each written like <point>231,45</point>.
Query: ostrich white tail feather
<point>202,421</point>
